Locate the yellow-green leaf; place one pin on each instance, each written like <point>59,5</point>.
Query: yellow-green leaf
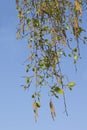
<point>58,90</point>
<point>75,57</point>
<point>38,104</point>
<point>71,84</point>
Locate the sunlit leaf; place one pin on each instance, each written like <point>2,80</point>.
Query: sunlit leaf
<point>58,90</point>
<point>38,104</point>
<point>75,57</point>
<point>71,84</point>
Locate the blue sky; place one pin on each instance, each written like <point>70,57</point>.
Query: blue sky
<point>16,104</point>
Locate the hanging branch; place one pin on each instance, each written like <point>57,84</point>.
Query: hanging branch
<point>50,27</point>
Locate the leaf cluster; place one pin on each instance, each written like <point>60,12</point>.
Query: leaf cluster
<point>50,26</point>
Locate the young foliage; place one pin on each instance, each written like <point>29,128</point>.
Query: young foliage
<point>50,26</point>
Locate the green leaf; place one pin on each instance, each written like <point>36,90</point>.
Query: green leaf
<point>39,95</point>
<point>71,84</point>
<point>75,57</point>
<point>27,70</point>
<point>28,65</point>
<point>38,104</point>
<point>80,30</point>
<point>58,90</point>
<point>25,87</point>
<point>70,88</point>
<point>33,96</point>
<point>75,49</point>
<point>27,79</point>
<point>33,69</point>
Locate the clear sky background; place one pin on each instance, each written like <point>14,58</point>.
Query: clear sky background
<point>16,104</point>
